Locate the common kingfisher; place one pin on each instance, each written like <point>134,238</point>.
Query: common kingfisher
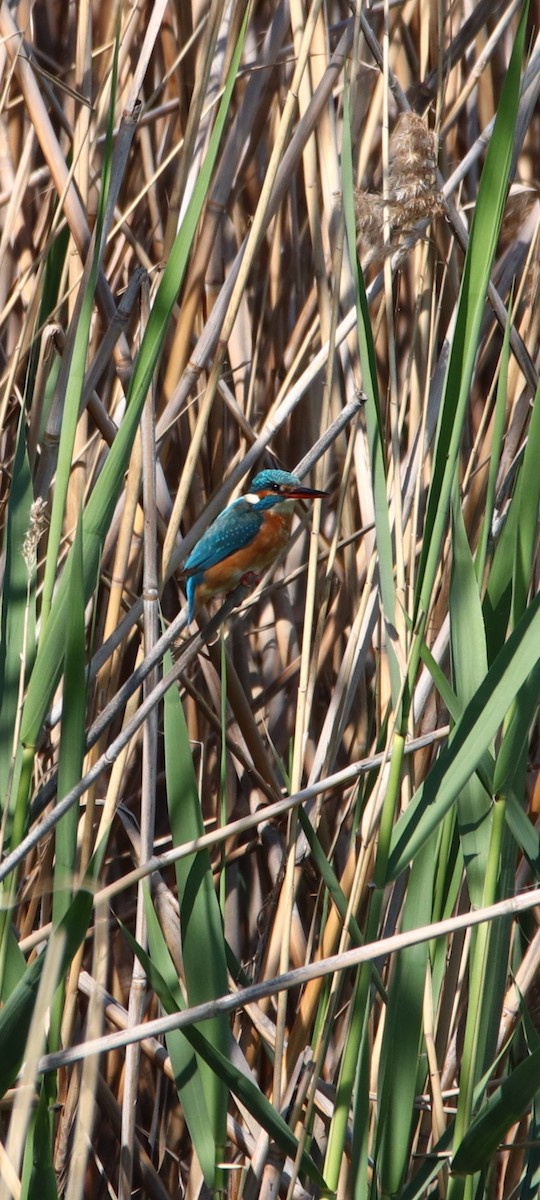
<point>245,538</point>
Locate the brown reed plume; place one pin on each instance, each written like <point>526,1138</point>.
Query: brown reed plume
<point>413,194</point>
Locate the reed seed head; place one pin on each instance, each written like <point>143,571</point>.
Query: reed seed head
<point>413,194</point>
<point>36,528</point>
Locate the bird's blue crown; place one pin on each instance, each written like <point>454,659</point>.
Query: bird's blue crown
<point>273,479</point>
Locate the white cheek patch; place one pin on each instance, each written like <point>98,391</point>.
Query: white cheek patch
<point>251,498</point>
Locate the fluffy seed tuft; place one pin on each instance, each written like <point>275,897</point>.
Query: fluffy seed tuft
<point>413,194</point>
<point>36,528</point>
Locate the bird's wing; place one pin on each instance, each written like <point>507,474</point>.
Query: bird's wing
<point>235,528</point>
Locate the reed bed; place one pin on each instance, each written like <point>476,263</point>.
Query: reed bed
<point>269,882</point>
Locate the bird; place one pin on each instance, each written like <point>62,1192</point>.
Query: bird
<point>245,538</point>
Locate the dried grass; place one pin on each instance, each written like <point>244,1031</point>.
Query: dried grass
<point>258,361</point>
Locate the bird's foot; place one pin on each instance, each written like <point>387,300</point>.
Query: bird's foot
<point>250,579</point>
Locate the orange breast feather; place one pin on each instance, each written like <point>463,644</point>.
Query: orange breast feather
<point>272,537</point>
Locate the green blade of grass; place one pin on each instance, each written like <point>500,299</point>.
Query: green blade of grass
<point>72,739</point>
<point>470,739</point>
<point>38,1180</point>
<point>483,239</point>
<point>203,946</point>
<point>14,964</point>
<point>17,622</point>
<point>494,458</point>
<point>73,366</point>
<point>165,982</point>
<point>527,506</point>
<point>469,669</point>
<point>403,1032</point>
<point>488,964</point>
<point>70,382</point>
<point>507,1105</point>
<point>17,646</point>
<point>240,1084</point>
<point>360,1125</point>
<point>329,878</point>
<point>72,748</point>
<point>372,407</point>
<point>16,1015</point>
<point>509,773</point>
<point>101,505</point>
<point>523,832</point>
<point>511,571</point>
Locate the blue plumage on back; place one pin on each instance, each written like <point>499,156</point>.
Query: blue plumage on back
<point>235,528</point>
